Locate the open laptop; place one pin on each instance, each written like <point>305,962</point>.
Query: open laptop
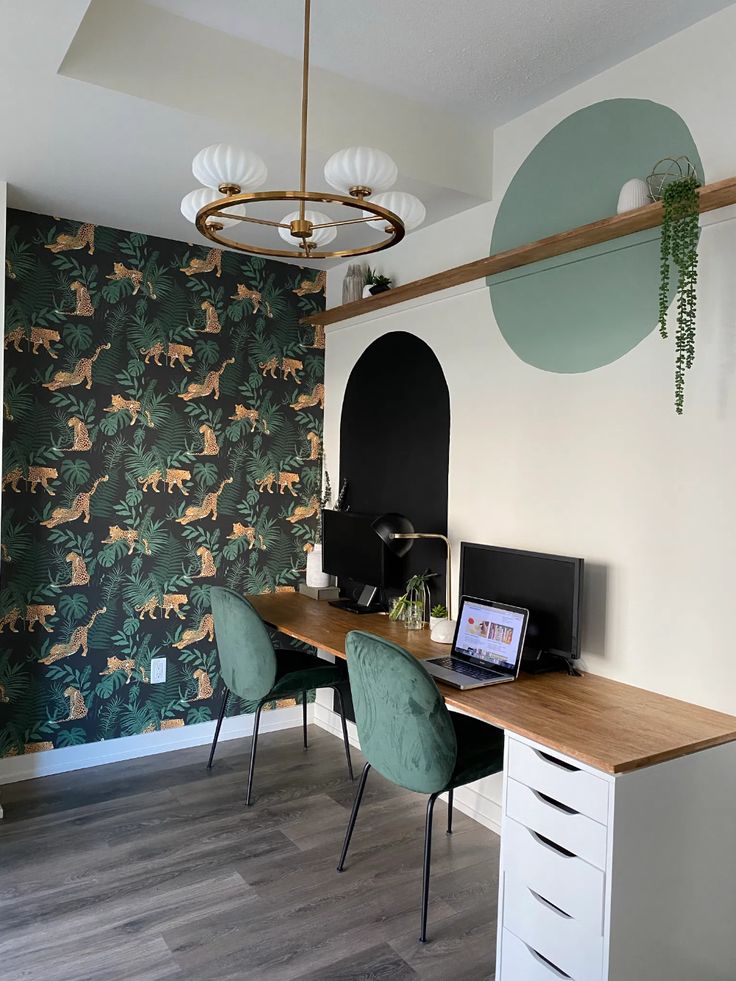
<point>487,647</point>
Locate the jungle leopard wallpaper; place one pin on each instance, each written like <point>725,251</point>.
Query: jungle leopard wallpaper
<point>162,432</point>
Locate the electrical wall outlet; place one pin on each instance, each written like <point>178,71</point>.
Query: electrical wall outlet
<point>158,670</point>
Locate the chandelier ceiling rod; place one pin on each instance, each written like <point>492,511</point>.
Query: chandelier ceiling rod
<point>305,104</point>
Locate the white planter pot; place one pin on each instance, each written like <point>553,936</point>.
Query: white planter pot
<point>316,578</point>
<point>433,621</point>
<point>443,632</point>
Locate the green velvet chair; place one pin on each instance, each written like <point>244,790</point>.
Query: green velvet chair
<point>409,736</point>
<point>254,671</point>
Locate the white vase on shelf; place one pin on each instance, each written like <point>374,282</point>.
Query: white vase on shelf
<point>634,194</point>
<point>316,578</point>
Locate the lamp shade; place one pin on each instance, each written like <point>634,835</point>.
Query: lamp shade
<point>410,209</point>
<point>320,236</point>
<point>192,203</point>
<point>221,163</point>
<point>390,524</point>
<point>360,166</point>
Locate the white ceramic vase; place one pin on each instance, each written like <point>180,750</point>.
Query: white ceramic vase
<point>634,194</point>
<point>316,578</point>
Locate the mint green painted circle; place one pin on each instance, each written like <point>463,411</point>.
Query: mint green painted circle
<point>578,312</point>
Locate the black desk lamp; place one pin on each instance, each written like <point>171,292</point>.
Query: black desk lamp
<point>397,533</point>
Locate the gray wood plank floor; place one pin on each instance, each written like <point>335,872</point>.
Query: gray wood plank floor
<point>154,869</point>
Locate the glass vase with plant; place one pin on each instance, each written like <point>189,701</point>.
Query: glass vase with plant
<point>413,605</point>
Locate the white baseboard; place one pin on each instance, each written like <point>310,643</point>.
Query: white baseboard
<point>481,800</point>
<point>30,765</point>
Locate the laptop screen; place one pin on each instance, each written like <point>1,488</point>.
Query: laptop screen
<point>490,633</point>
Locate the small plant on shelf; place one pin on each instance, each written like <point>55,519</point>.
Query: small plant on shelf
<point>375,283</point>
<point>439,611</point>
<point>678,190</point>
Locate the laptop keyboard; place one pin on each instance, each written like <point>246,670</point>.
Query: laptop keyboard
<point>454,664</point>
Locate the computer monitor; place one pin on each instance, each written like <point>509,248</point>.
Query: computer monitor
<point>549,586</point>
<point>351,550</point>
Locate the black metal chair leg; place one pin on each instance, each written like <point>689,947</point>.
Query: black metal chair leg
<point>253,747</point>
<point>450,798</point>
<point>345,732</point>
<point>353,816</point>
<point>304,718</point>
<point>425,871</point>
<point>218,727</point>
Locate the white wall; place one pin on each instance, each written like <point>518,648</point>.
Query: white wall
<point>598,464</point>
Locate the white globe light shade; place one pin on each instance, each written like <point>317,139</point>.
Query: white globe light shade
<point>320,237</point>
<point>193,202</point>
<point>360,166</point>
<point>410,209</point>
<point>221,163</point>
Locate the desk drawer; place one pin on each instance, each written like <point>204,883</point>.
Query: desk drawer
<point>520,962</point>
<point>572,947</point>
<point>559,779</point>
<point>559,822</point>
<point>565,880</point>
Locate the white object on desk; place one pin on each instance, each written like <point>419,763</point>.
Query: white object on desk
<point>443,632</point>
<point>315,576</point>
<point>616,878</point>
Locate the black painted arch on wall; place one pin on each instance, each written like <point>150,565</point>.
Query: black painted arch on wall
<point>395,441</point>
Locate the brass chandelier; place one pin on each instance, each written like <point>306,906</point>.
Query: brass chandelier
<point>361,177</point>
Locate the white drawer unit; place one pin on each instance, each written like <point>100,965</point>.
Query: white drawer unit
<point>616,878</point>
<point>558,822</point>
<point>562,940</point>
<point>554,857</point>
<point>560,779</point>
<point>555,874</point>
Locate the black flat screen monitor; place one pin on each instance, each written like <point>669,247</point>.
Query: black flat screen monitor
<point>549,586</point>
<point>352,550</point>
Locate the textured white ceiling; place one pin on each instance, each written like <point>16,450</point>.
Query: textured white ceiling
<point>497,58</point>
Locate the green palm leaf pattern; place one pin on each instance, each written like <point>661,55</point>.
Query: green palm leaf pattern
<point>138,421</point>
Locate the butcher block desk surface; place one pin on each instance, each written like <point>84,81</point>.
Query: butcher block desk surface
<point>610,726</point>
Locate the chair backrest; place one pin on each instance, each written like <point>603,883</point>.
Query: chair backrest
<point>404,727</point>
<point>247,657</point>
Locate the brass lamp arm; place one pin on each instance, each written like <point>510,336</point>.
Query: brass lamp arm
<point>448,574</point>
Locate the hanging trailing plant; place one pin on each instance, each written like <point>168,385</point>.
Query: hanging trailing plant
<point>680,248</point>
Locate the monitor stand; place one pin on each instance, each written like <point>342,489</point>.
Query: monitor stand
<point>364,604</point>
<point>541,662</point>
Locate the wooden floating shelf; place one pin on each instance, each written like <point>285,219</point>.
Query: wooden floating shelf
<point>712,196</point>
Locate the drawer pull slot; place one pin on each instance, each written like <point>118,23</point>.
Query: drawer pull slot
<point>549,905</point>
<point>563,764</point>
<point>551,844</point>
<point>548,964</point>
<point>554,803</point>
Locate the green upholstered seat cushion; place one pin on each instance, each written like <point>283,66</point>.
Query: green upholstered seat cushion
<point>479,750</point>
<point>297,671</point>
<point>404,728</point>
<point>244,647</point>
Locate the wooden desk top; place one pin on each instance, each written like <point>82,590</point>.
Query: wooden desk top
<point>610,726</point>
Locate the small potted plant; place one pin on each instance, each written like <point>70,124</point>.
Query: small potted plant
<point>375,283</point>
<point>437,614</point>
